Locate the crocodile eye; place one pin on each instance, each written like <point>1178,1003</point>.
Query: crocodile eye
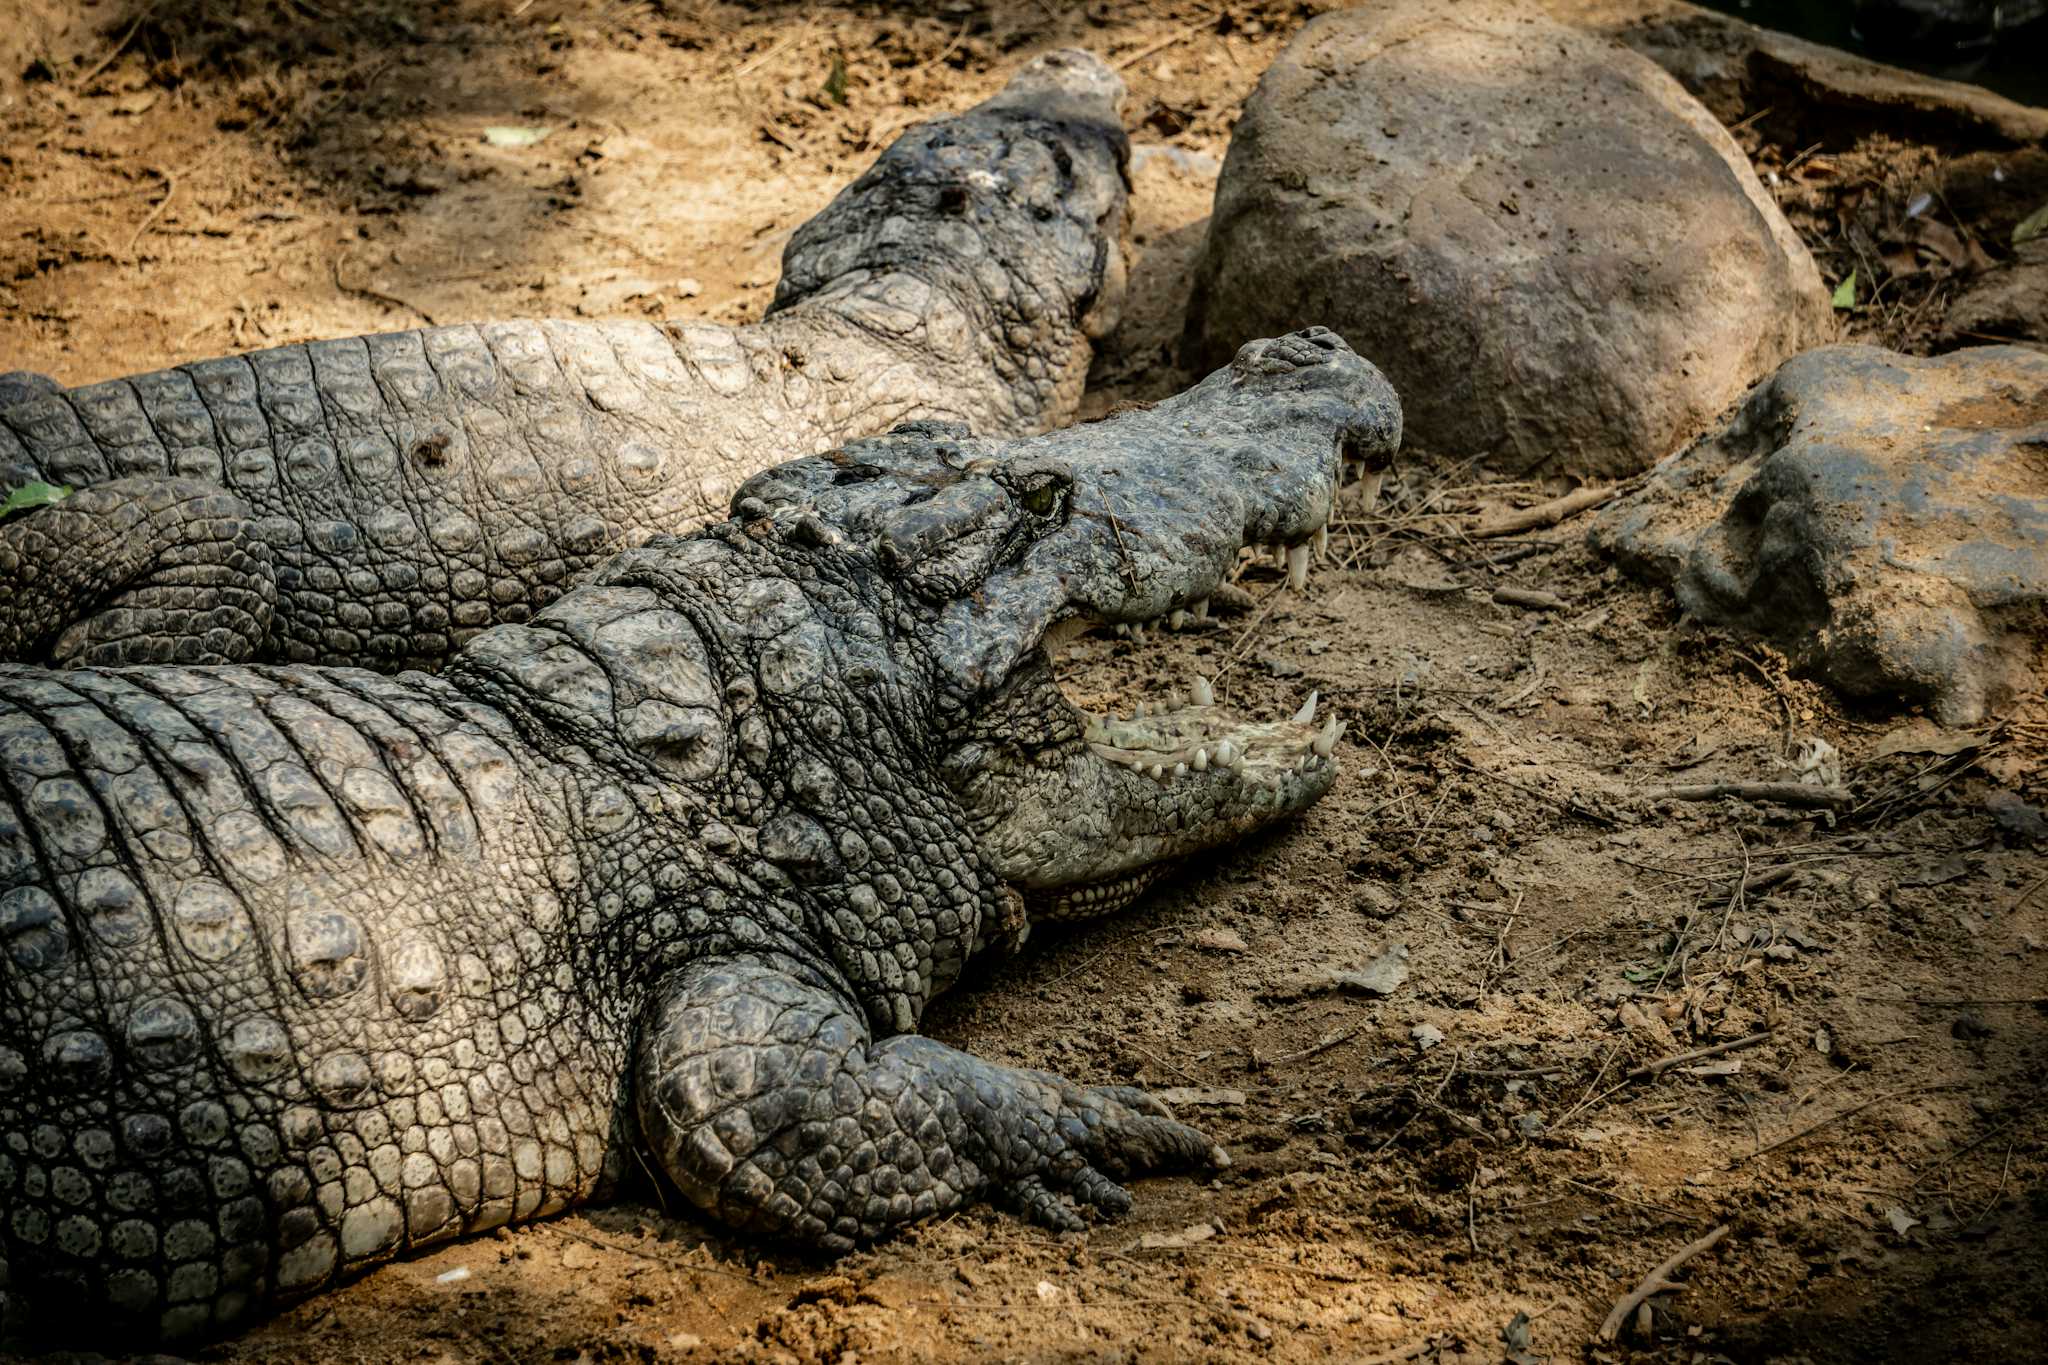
<point>1040,501</point>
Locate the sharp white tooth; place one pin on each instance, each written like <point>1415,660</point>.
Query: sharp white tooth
<point>1202,610</point>
<point>1178,619</point>
<point>1123,628</point>
<point>1138,711</point>
<point>1201,760</point>
<point>1279,554</point>
<point>1174,700</point>
<point>1180,770</point>
<point>1325,743</point>
<point>1301,764</point>
<point>1307,714</point>
<point>1138,633</point>
<point>1226,755</point>
<point>1297,567</point>
<point>1155,770</point>
<point>1205,695</point>
<point>1322,542</point>
<point>1372,488</point>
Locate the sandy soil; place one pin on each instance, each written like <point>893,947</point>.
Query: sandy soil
<point>1475,1167</point>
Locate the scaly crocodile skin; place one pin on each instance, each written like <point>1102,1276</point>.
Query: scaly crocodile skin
<point>303,968</point>
<point>378,500</point>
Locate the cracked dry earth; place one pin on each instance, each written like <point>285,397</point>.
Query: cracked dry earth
<point>1414,1173</point>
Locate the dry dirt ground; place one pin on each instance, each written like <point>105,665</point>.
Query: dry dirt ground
<point>1475,1167</point>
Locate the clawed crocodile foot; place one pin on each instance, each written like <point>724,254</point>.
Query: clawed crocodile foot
<point>1092,1129</point>
<point>763,1097</point>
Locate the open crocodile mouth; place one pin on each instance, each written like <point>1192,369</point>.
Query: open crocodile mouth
<point>1106,812</point>
<point>1255,772</point>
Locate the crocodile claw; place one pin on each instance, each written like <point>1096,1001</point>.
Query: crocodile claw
<point>1116,1129</point>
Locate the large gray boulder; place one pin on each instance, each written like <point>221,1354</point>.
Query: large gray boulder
<point>1881,518</point>
<point>1560,259</point>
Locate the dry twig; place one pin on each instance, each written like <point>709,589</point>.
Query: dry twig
<point>1545,513</point>
<point>1779,793</point>
<point>1171,39</point>
<point>1533,598</point>
<point>1656,1282</point>
<point>118,48</point>
<point>376,295</point>
<point>1563,803</point>
<point>1652,1070</point>
<point>1810,1129</point>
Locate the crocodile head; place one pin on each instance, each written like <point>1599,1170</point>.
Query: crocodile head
<point>1001,552</point>
<point>1031,204</point>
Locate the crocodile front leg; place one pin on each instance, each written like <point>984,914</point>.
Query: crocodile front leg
<point>763,1095</point>
<point>136,571</point>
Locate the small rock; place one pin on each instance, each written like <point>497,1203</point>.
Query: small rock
<point>455,1276</point>
<point>1968,1027</point>
<point>688,288</point>
<point>1376,901</point>
<point>1220,940</point>
<point>2015,816</point>
<point>577,1256</point>
<point>1531,1124</point>
<point>684,1341</point>
<point>1426,1036</point>
<point>1049,1291</point>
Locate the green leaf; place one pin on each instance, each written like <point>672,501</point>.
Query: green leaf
<point>506,135</point>
<point>1845,292</point>
<point>835,83</point>
<point>2034,225</point>
<point>33,495</point>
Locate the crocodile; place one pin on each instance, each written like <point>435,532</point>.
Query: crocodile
<point>303,968</point>
<point>376,501</point>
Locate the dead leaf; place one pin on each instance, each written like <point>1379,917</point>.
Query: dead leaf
<point>1943,241</point>
<point>1515,1336</point>
<point>1953,868</point>
<point>1727,1066</point>
<point>1382,976</point>
<point>1174,1241</point>
<point>1902,1222</point>
<point>1925,739</point>
<point>1200,1097</point>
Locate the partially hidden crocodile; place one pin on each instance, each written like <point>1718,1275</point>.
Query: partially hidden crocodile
<point>304,968</point>
<point>378,500</point>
